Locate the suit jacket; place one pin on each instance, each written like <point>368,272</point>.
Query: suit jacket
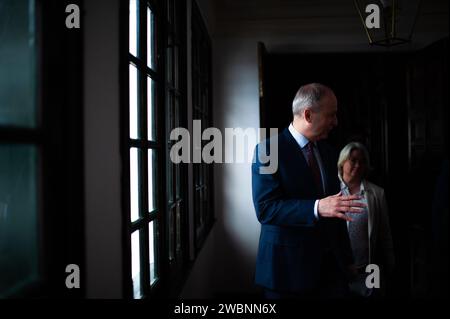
<point>381,249</point>
<point>293,242</point>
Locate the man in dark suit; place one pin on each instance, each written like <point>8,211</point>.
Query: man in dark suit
<point>304,250</point>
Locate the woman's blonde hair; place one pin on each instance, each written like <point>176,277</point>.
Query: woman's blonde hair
<point>345,154</point>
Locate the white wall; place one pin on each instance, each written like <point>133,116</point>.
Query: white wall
<point>102,153</point>
<point>226,263</point>
<point>236,104</point>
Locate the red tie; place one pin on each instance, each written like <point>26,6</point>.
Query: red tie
<point>314,166</point>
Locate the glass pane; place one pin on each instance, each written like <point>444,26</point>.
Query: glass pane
<point>196,174</point>
<point>177,120</point>
<point>198,207</point>
<point>169,112</point>
<point>178,181</point>
<point>17,63</point>
<point>134,110</point>
<point>150,39</point>
<point>201,199</point>
<point>18,218</point>
<point>178,228</point>
<point>134,184</point>
<point>169,10</point>
<point>136,264</point>
<point>171,223</point>
<point>177,111</point>
<point>151,109</point>
<point>152,251</point>
<point>169,65</point>
<point>176,68</point>
<point>169,127</point>
<point>175,16</point>
<point>151,180</point>
<point>169,168</point>
<point>134,30</point>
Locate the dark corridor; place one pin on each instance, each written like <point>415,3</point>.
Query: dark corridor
<point>396,104</point>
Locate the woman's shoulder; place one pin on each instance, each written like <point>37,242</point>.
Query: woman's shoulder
<point>369,186</point>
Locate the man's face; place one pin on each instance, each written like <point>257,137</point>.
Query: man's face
<point>326,119</point>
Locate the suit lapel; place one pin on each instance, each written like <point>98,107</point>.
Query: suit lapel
<point>372,222</point>
<point>296,149</point>
<point>300,160</point>
<point>370,207</point>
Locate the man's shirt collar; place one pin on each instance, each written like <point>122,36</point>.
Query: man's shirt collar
<point>299,138</point>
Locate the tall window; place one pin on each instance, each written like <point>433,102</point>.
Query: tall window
<point>155,187</point>
<point>41,150</point>
<point>144,146</point>
<point>20,148</point>
<point>156,210</point>
<point>201,101</point>
<point>177,209</point>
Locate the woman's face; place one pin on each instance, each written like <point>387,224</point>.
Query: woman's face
<point>354,167</point>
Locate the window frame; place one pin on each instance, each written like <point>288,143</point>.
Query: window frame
<point>172,274</point>
<point>142,143</point>
<point>176,36</point>
<point>201,78</point>
<point>58,138</point>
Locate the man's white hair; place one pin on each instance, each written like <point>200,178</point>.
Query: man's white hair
<point>309,96</point>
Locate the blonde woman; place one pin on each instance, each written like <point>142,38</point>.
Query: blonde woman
<point>369,231</point>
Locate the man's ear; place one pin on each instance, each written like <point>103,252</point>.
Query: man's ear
<point>308,115</point>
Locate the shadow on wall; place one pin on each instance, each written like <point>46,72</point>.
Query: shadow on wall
<point>235,269</point>
<point>226,263</point>
<point>223,269</point>
<point>237,233</point>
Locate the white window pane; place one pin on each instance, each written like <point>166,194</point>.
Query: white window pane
<point>134,184</point>
<point>151,181</point>
<point>152,250</point>
<point>133,27</point>
<point>135,265</point>
<point>133,102</point>
<point>150,37</point>
<point>150,109</point>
